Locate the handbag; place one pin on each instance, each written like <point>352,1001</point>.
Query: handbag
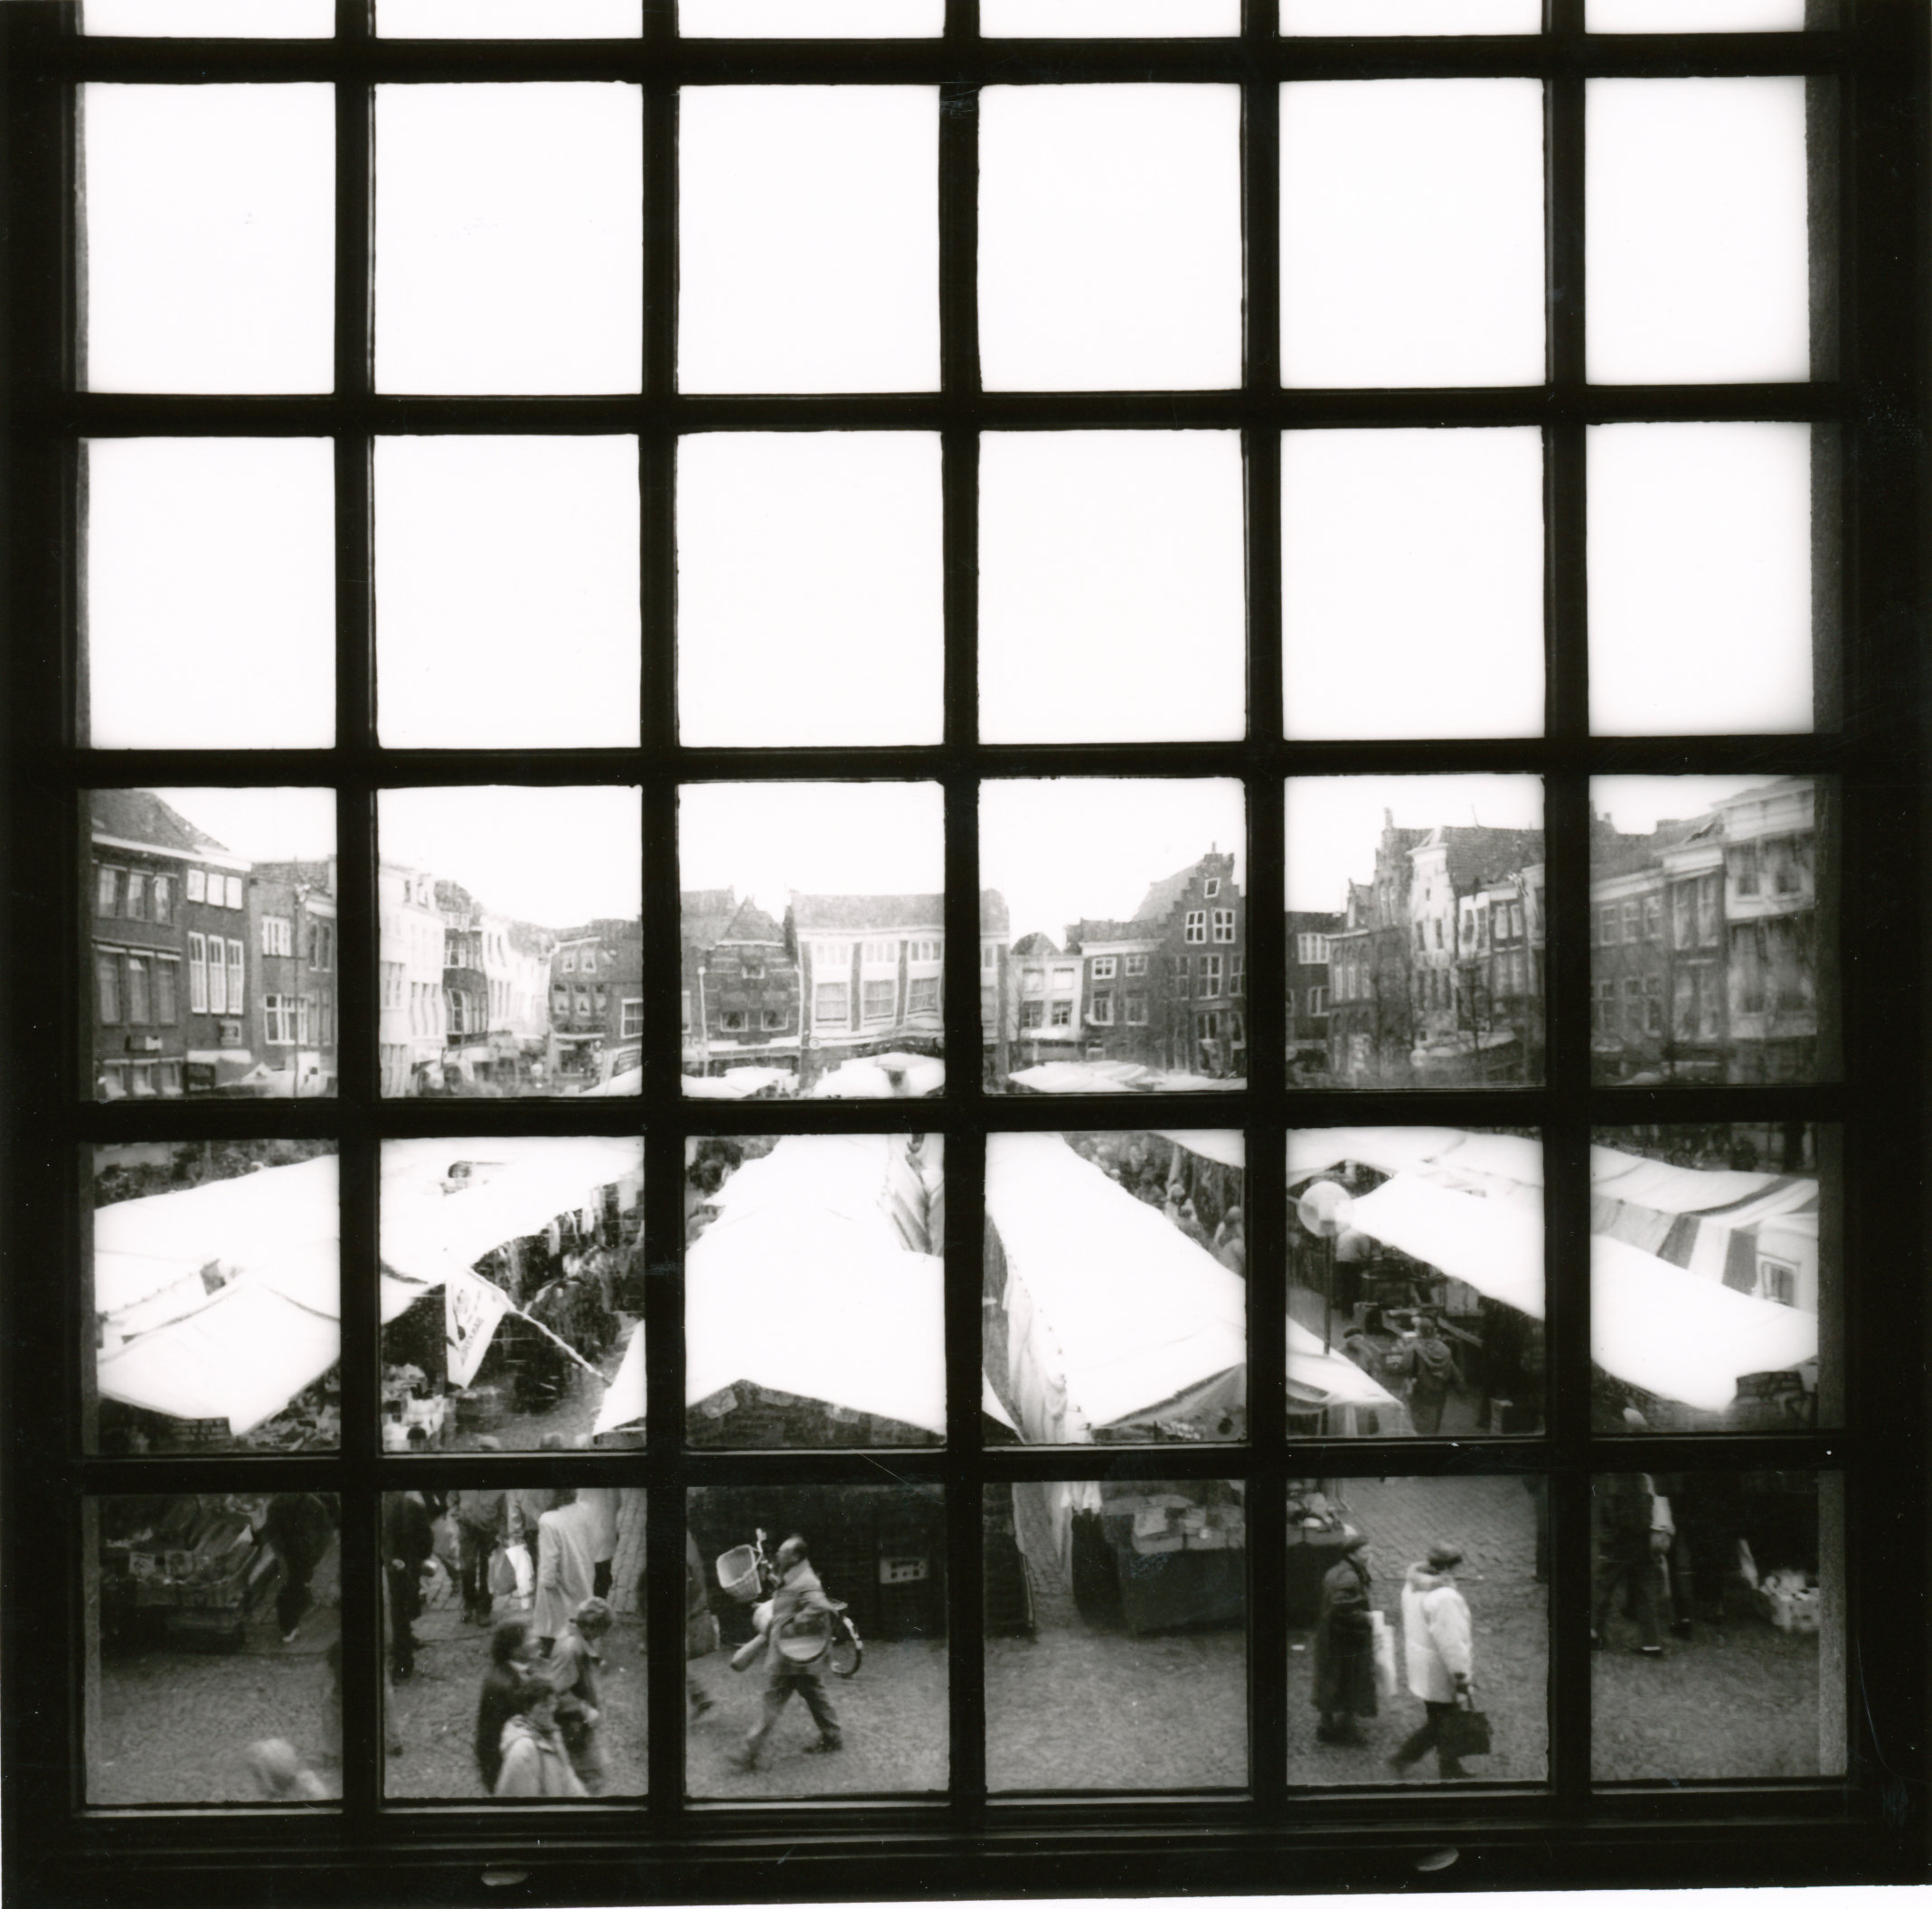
<point>1384,1646</point>
<point>1464,1732</point>
<point>503,1575</point>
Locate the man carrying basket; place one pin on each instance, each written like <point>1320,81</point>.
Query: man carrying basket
<point>795,1633</point>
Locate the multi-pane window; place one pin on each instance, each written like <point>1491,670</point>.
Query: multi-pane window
<point>1259,495</point>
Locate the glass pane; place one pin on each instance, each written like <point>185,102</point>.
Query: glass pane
<point>1117,1656</point>
<point>796,1586</point>
<point>1099,547</point>
<point>1388,534</point>
<point>213,1648</point>
<point>1133,923</point>
<point>1428,892</point>
<point>512,1292</point>
<point>509,239</point>
<point>1362,18</point>
<point>835,893</point>
<point>1109,19</point>
<point>1691,16</point>
<point>1396,1585</point>
<point>510,19</point>
<point>515,1627</point>
<point>811,19</point>
<point>1745,1570</point>
<point>481,543</point>
<point>808,239</point>
<point>1697,254</point>
<point>1712,957</point>
<point>214,972</point>
<point>511,943</point>
<point>788,1244</point>
<point>1412,232</point>
<point>210,248</point>
<point>1115,1287</point>
<point>810,590</point>
<point>1109,237</point>
<point>1415,1281</point>
<point>215,1301</point>
<point>211,19</point>
<point>209,613</point>
<point>1716,1295</point>
<point>1699,578</point>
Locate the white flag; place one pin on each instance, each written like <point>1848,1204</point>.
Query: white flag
<point>471,1309</point>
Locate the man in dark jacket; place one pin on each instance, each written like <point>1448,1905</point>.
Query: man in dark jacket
<point>800,1614</point>
<point>1632,1542</point>
<point>1345,1646</point>
<point>408,1541</point>
<point>298,1526</point>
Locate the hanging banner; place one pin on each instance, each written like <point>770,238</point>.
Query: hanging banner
<point>471,1309</point>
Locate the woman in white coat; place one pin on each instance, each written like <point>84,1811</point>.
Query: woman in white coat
<point>1436,1640</point>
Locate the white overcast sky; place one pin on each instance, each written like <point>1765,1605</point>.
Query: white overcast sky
<point>263,824</point>
<point>1058,851</point>
<point>1637,803</point>
<point>830,838</point>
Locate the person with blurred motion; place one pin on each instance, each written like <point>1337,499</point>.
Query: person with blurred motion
<point>798,1615</point>
<point>298,1526</point>
<point>513,1651</point>
<point>482,1524</point>
<point>697,1618</point>
<point>602,1500</point>
<point>1345,1646</point>
<point>1231,1242</point>
<point>534,1760</point>
<point>408,1542</point>
<point>1633,1539</point>
<point>566,1565</point>
<point>279,1775</point>
<point>1439,1648</point>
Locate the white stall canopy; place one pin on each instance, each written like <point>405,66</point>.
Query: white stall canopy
<point>1495,1245</point>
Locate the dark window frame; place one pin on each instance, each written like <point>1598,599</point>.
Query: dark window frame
<point>1872,1828</point>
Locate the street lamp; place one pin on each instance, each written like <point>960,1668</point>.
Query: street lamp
<point>1324,1209</point>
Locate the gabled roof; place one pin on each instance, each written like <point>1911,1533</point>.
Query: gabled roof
<point>703,915</point>
<point>751,926</point>
<point>314,874</point>
<point>1035,944</point>
<point>1161,900</point>
<point>141,815</point>
<point>852,913</point>
<point>1624,854</point>
<point>1478,856</point>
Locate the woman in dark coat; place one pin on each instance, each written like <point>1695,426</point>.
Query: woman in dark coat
<point>1345,1646</point>
<point>512,1652</point>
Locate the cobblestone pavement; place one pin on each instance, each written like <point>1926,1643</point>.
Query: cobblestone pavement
<point>1491,1521</point>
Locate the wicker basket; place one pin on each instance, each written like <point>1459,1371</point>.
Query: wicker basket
<point>737,1573</point>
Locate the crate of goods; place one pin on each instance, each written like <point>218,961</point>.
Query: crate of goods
<point>1789,1601</point>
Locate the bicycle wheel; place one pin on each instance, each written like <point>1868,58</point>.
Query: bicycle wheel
<point>845,1653</point>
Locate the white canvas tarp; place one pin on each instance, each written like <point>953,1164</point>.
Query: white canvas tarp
<point>517,1188</point>
<point>1223,1146</point>
<point>1331,1375</point>
<point>1684,1338</point>
<point>1111,1310</point>
<point>143,1247</point>
<point>624,1396</point>
<point>1493,1245</point>
<point>1083,1077</point>
<point>868,1179</point>
<point>1389,1150</point>
<point>1664,1188</point>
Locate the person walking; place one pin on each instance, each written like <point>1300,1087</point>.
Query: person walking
<point>1437,1645</point>
<point>602,1499</point>
<point>1633,1538</point>
<point>1432,1376</point>
<point>571,1670</point>
<point>1345,1646</point>
<point>566,1565</point>
<point>298,1526</point>
<point>513,1651</point>
<point>697,1617</point>
<point>799,1615</point>
<point>1231,1243</point>
<point>482,1524</point>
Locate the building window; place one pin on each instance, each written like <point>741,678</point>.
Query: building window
<point>630,1024</point>
<point>1317,1003</point>
<point>1136,1010</point>
<point>570,960</point>
<point>136,895</point>
<point>276,1020</point>
<point>1211,976</point>
<point>1032,1014</point>
<point>197,880</point>
<point>1033,983</point>
<point>237,953</point>
<point>108,975</point>
<point>275,934</point>
<point>771,1020</point>
<point>989,958</point>
<point>1100,1010</point>
<point>1653,918</point>
<point>829,1008</point>
<point>322,947</point>
<point>1062,1014</point>
<point>1603,1015</point>
<point>1197,925</point>
<point>1224,924</point>
<point>164,891</point>
<point>1183,973</point>
<point>1136,964</point>
<point>167,991</point>
<point>138,998</point>
<point>1236,974</point>
<point>1311,950</point>
<point>1211,887</point>
<point>880,1001</point>
<point>233,896</point>
<point>1103,967</point>
<point>922,994</point>
<point>732,1021</point>
<point>198,974</point>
